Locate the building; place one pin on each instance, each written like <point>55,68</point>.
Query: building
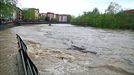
<point>18,14</point>
<point>50,15</point>
<point>36,14</point>
<point>130,11</point>
<point>13,17</point>
<point>42,17</point>
<point>56,16</point>
<point>63,18</point>
<point>42,14</point>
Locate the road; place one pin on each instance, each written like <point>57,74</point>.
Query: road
<point>64,49</point>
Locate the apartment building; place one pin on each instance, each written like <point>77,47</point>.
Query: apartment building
<point>36,14</point>
<point>63,18</point>
<point>50,15</point>
<point>18,14</point>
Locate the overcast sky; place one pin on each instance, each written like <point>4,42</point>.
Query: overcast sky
<point>73,7</point>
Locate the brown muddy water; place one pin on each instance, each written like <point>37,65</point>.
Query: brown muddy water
<point>8,51</point>
<point>63,49</point>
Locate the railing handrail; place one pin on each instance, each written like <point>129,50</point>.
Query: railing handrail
<point>28,66</point>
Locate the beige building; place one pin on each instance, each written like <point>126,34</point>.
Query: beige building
<point>36,14</point>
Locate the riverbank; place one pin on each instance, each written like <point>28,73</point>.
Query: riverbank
<point>9,25</point>
<point>5,26</point>
<point>8,51</point>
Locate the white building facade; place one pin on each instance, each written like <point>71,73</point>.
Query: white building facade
<point>63,18</point>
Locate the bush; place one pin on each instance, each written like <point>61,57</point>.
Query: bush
<point>120,20</point>
<point>114,18</point>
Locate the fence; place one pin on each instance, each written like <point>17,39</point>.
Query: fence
<point>28,66</point>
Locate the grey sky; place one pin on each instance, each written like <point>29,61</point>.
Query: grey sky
<point>73,7</point>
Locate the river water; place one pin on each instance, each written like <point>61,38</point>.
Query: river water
<point>64,49</point>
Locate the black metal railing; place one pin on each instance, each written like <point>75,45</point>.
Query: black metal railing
<point>28,66</point>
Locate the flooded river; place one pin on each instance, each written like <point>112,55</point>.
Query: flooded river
<point>64,49</point>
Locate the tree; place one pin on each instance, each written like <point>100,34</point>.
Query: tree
<point>42,18</point>
<point>29,14</point>
<point>113,8</point>
<point>95,10</point>
<point>9,1</point>
<point>7,7</point>
<point>47,18</point>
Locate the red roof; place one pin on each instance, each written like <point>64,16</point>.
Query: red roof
<point>50,13</point>
<point>131,10</point>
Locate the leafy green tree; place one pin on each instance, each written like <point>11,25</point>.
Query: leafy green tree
<point>69,18</point>
<point>7,7</point>
<point>29,14</point>
<point>47,18</point>
<point>42,18</point>
<point>113,8</point>
<point>114,18</point>
<point>95,10</point>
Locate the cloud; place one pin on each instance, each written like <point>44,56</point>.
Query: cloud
<point>74,7</point>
